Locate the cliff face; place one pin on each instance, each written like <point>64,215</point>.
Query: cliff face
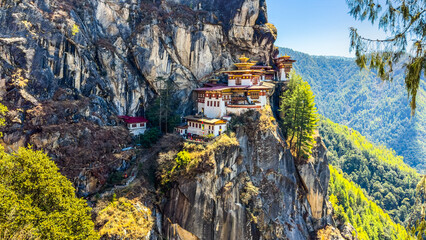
<point>255,191</point>
<point>88,61</point>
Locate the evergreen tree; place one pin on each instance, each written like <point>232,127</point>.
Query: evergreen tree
<point>161,112</point>
<point>299,116</point>
<point>405,21</point>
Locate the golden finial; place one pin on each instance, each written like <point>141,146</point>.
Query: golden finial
<point>244,59</point>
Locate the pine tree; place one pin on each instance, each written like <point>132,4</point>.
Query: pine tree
<point>405,21</point>
<point>161,112</point>
<point>299,116</point>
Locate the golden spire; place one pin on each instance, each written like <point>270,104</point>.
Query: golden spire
<point>244,59</point>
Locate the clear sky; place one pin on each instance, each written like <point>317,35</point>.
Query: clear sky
<point>317,27</point>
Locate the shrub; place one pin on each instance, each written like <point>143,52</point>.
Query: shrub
<point>267,120</point>
<point>249,192</point>
<point>150,137</point>
<point>125,219</point>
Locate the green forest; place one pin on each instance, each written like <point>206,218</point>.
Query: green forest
<point>352,205</point>
<point>379,171</point>
<point>378,110</point>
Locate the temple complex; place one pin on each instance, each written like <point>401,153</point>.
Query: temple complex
<point>245,90</point>
<point>249,87</point>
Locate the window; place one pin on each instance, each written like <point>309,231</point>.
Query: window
<point>134,125</point>
<point>254,95</point>
<point>238,81</point>
<point>142,124</point>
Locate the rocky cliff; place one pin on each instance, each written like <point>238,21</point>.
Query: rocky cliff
<point>254,191</point>
<point>67,68</point>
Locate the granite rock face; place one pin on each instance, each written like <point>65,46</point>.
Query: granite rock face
<point>117,49</point>
<point>88,61</point>
<point>288,204</point>
<point>68,68</point>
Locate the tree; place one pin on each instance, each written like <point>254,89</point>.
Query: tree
<point>150,137</point>
<point>417,220</point>
<point>405,21</point>
<point>299,116</point>
<point>161,112</point>
<point>37,202</point>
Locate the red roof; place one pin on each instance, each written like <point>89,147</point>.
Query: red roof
<point>128,119</point>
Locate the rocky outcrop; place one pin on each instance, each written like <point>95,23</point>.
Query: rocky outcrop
<point>81,63</point>
<point>315,176</point>
<point>117,49</point>
<point>255,191</point>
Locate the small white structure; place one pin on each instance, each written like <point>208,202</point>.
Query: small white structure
<point>182,130</point>
<point>202,126</point>
<point>136,125</point>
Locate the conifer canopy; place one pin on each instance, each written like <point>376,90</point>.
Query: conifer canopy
<point>299,116</point>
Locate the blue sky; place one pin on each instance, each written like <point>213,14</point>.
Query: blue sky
<point>317,27</point>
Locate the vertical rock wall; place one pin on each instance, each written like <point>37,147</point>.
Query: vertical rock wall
<point>290,203</point>
<point>87,61</point>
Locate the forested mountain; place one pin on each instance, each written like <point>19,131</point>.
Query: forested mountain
<point>379,110</point>
<point>379,171</point>
<point>352,205</point>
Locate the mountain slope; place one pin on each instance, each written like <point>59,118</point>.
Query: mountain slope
<point>377,170</point>
<point>353,206</point>
<point>379,110</point>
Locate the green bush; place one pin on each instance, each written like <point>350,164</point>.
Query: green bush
<point>150,137</point>
<point>37,202</point>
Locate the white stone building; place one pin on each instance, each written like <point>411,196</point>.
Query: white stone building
<point>249,87</point>
<point>202,126</point>
<point>136,125</point>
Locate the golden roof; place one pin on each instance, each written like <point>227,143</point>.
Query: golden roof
<point>205,120</point>
<point>244,59</point>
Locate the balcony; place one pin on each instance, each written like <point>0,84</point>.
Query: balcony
<point>238,98</point>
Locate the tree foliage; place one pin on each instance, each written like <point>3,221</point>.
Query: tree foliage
<point>351,205</point>
<point>376,169</point>
<point>38,202</point>
<point>161,112</point>
<point>150,137</point>
<point>417,221</point>
<point>379,110</point>
<point>405,22</point>
<point>299,116</point>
